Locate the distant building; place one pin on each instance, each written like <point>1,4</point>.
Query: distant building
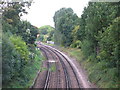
<point>50,42</point>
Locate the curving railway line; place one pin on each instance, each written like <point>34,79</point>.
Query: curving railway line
<point>59,73</point>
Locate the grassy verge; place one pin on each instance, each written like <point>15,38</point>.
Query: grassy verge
<point>98,74</point>
<point>29,72</point>
<point>73,52</point>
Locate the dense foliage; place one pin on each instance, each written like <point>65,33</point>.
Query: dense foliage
<point>18,48</point>
<point>65,21</point>
<point>11,62</point>
<point>46,33</point>
<point>96,32</point>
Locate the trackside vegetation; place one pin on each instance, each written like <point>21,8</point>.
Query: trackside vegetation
<point>96,36</point>
<point>21,60</point>
<point>92,38</point>
<point>46,33</point>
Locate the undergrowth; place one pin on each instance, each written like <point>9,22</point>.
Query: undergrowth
<point>98,72</point>
<point>29,72</point>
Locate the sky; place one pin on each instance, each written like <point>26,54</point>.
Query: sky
<point>41,12</point>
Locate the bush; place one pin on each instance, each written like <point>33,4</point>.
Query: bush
<point>87,48</point>
<point>15,56</point>
<point>20,47</point>
<point>76,44</point>
<point>11,61</point>
<point>29,72</point>
<point>103,76</point>
<point>110,44</point>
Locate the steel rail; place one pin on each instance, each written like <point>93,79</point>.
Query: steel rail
<point>69,64</point>
<point>55,64</point>
<point>56,71</point>
<point>67,78</point>
<point>48,73</point>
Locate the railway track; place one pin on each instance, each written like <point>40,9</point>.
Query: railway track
<point>67,78</point>
<point>64,77</point>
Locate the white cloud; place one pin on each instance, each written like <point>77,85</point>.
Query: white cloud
<point>42,11</point>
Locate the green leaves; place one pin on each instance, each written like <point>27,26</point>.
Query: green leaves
<point>46,33</point>
<point>110,43</point>
<point>11,61</point>
<point>64,19</point>
<point>17,45</point>
<point>27,31</point>
<point>96,33</point>
<point>99,29</point>
<point>20,47</point>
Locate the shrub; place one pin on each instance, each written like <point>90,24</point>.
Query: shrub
<point>76,44</point>
<point>87,48</point>
<point>11,61</point>
<point>20,47</point>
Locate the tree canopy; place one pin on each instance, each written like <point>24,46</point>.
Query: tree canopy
<point>18,39</point>
<point>65,20</point>
<point>96,33</point>
<point>46,33</point>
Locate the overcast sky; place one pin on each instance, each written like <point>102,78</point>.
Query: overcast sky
<point>41,12</point>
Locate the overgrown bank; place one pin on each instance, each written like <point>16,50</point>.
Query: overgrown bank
<point>21,60</point>
<point>96,74</point>
<point>26,79</point>
<point>96,34</point>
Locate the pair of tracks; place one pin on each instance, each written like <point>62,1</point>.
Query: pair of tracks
<point>64,75</point>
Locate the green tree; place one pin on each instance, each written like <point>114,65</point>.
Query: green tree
<point>20,47</point>
<point>51,36</point>
<point>109,43</point>
<point>65,20</point>
<point>46,33</point>
<point>17,44</point>
<point>99,36</point>
<point>94,20</point>
<point>11,61</point>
